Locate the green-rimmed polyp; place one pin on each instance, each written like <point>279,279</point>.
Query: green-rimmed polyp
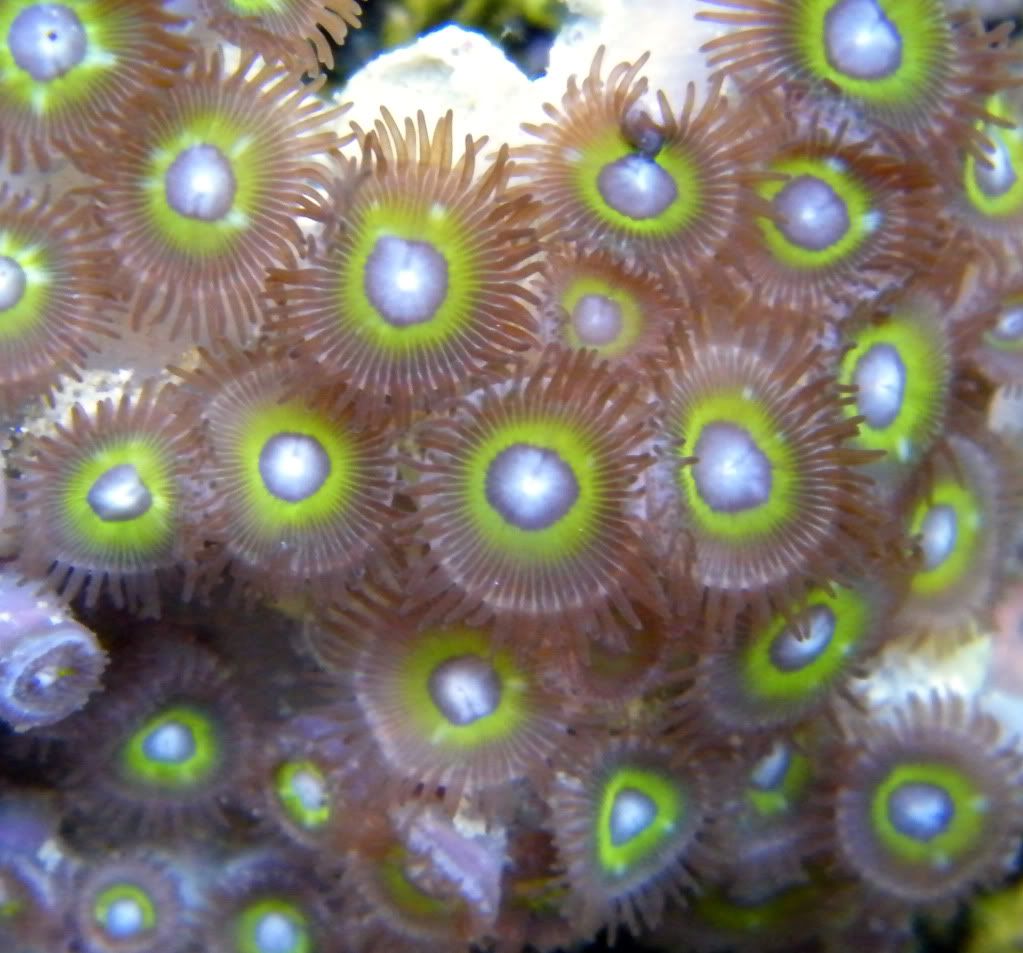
<point>406,895</point>
<point>461,693</point>
<point>203,183</point>
<point>778,781</point>
<point>56,56</point>
<point>273,925</point>
<point>1007,333</point>
<point>177,749</point>
<point>1001,353</point>
<point>636,193</point>
<point>124,910</point>
<point>299,468</point>
<point>26,285</point>
<point>602,314</point>
<point>638,811</point>
<point>995,189</point>
<point>900,368</point>
<point>885,53</point>
<point>411,277</point>
<point>826,213</point>
<point>743,483</point>
<point>534,489</point>
<point>928,814</point>
<point>301,789</point>
<point>795,659</point>
<point>756,917</point>
<point>119,502</point>
<point>949,523</point>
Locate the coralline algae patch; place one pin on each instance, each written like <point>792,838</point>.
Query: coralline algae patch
<point>605,523</point>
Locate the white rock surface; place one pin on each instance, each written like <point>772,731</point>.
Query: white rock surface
<point>451,68</point>
<point>454,68</point>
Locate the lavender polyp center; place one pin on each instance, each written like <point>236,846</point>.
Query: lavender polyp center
<point>119,495</point>
<point>293,466</point>
<point>920,810</point>
<point>125,918</point>
<point>465,689</point>
<point>47,41</point>
<point>642,132</point>
<point>57,656</point>
<point>597,320</point>
<point>200,184</point>
<point>632,813</point>
<point>531,487</point>
<point>860,41</point>
<point>939,533</point>
<point>769,772</point>
<point>405,280</point>
<point>276,933</point>
<point>998,176</point>
<point>637,187</point>
<point>880,379</point>
<point>814,215</point>
<point>801,644</point>
<point>170,743</point>
<point>12,282</point>
<point>1009,326</point>
<point>731,472</point>
<point>310,790</point>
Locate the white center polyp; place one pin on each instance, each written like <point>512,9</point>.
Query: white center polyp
<point>465,689</point>
<point>631,814</point>
<point>939,533</point>
<point>1010,325</point>
<point>731,472</point>
<point>637,187</point>
<point>200,184</point>
<point>47,40</point>
<point>814,215</point>
<point>56,656</point>
<point>406,281</point>
<point>597,320</point>
<point>530,487</point>
<point>312,794</point>
<point>642,132</point>
<point>12,282</point>
<point>920,810</point>
<point>860,41</point>
<point>999,176</point>
<point>125,918</point>
<point>769,772</point>
<point>46,677</point>
<point>880,378</point>
<point>47,674</point>
<point>293,466</point>
<point>796,647</point>
<point>172,743</point>
<point>276,933</point>
<point>119,495</point>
